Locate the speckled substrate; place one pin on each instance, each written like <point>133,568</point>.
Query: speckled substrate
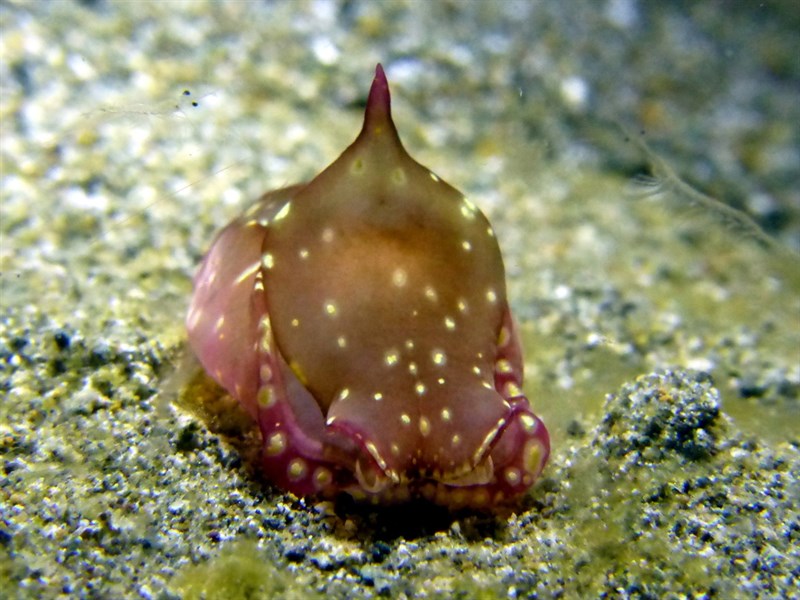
<point>662,348</point>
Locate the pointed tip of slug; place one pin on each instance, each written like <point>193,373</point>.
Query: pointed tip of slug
<point>378,115</point>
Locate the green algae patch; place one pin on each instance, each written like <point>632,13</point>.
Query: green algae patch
<point>241,571</point>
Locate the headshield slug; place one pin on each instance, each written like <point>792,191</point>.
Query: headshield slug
<point>361,318</point>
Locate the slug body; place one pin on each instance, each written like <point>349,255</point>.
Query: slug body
<point>362,320</point>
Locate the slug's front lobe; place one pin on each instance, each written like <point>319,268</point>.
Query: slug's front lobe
<point>388,363</point>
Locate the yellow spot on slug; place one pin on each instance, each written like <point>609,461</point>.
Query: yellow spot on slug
<point>438,357</point>
<point>330,308</point>
<point>276,444</point>
<point>267,260</point>
<point>327,235</point>
<point>341,341</point>
<point>297,469</point>
<point>466,246</point>
<point>283,212</point>
<point>449,323</point>
<point>419,388</point>
<point>357,167</point>
<point>504,337</point>
<point>528,423</point>
<point>503,366</point>
<point>405,419</point>
<point>491,295</point>
<point>322,477</point>
<point>399,277</point>
<point>378,396</point>
<point>480,498</point>
<point>266,397</point>
<point>399,176</point>
<point>532,456</point>
<point>303,253</point>
<point>298,372</point>
<point>424,426</point>
<point>446,414</point>
<point>391,358</point>
<point>512,475</point>
<point>264,325</point>
<point>430,293</point>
